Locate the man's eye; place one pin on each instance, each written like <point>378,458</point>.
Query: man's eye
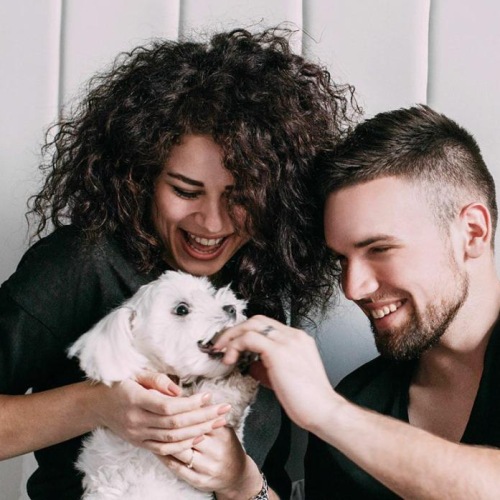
<point>380,249</point>
<point>188,195</point>
<point>181,309</point>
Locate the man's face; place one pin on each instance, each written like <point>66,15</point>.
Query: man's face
<point>398,266</point>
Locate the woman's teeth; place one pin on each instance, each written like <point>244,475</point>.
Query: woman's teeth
<point>384,311</point>
<point>204,244</point>
<point>205,241</point>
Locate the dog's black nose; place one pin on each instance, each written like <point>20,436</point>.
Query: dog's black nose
<point>231,311</point>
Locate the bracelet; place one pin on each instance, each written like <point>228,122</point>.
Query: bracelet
<point>263,494</point>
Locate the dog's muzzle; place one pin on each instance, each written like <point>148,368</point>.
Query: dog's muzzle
<point>243,364</point>
<point>207,349</point>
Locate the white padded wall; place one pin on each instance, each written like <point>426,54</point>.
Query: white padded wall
<point>379,46</point>
<point>464,72</point>
<point>221,15</point>
<point>29,52</point>
<point>396,53</point>
<point>94,32</point>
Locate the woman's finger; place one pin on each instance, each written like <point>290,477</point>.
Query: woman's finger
<point>187,419</point>
<point>184,433</point>
<point>160,404</point>
<point>162,448</point>
<point>159,382</point>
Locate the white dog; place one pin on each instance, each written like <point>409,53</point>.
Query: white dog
<point>167,326</point>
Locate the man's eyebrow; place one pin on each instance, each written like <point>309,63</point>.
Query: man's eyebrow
<point>375,239</point>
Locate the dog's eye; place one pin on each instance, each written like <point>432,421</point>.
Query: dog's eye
<point>181,309</point>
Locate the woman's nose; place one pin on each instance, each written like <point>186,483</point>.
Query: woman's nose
<point>214,217</point>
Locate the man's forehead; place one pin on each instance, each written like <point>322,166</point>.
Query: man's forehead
<point>380,194</point>
<point>382,209</point>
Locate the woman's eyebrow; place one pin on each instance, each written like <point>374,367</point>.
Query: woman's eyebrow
<point>193,182</point>
<point>185,179</point>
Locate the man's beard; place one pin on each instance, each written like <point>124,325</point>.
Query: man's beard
<point>423,329</point>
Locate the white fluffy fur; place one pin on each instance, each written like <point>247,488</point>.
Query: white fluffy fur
<point>147,332</point>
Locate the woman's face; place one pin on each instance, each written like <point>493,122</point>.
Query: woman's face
<point>190,208</point>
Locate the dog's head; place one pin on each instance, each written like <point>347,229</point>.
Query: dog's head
<point>166,326</point>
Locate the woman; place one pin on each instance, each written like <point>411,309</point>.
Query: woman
<point>184,156</point>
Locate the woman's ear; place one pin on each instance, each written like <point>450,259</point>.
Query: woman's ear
<point>476,221</point>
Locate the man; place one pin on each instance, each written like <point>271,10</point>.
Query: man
<point>410,215</point>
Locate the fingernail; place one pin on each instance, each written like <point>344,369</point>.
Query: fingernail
<point>221,422</point>
<point>216,349</point>
<point>206,398</point>
<point>223,409</point>
<point>198,439</point>
<point>175,390</point>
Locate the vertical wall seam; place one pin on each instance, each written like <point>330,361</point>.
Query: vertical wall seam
<point>62,37</point>
<point>180,19</point>
<point>428,52</point>
<point>300,9</point>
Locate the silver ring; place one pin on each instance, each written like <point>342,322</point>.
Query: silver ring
<point>191,463</point>
<point>267,330</point>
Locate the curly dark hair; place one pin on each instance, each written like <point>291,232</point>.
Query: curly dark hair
<point>270,110</point>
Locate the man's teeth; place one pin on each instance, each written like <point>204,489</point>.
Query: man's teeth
<point>384,311</point>
<point>205,241</point>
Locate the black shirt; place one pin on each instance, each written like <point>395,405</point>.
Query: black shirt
<point>61,288</point>
<point>383,385</point>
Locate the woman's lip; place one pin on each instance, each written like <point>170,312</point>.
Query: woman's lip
<point>196,254</point>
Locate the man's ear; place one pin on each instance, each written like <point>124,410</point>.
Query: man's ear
<point>476,220</point>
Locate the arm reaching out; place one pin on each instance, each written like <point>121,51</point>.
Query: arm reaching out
<point>411,462</point>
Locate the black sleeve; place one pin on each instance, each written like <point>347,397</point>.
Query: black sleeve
<point>274,466</point>
<point>319,472</point>
<point>28,350</point>
<point>329,474</point>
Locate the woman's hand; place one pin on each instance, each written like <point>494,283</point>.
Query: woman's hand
<point>292,365</point>
<point>218,463</point>
<point>149,412</point>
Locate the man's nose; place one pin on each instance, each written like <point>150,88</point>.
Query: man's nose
<point>359,281</point>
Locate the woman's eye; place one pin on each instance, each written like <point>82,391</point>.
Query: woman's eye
<point>181,309</point>
<point>189,195</point>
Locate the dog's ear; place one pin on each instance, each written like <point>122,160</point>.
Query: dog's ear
<point>106,352</point>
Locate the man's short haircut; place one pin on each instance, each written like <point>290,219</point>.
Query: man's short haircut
<point>418,145</point>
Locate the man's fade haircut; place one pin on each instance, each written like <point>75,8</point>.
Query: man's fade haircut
<point>419,145</point>
<point>271,111</point>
